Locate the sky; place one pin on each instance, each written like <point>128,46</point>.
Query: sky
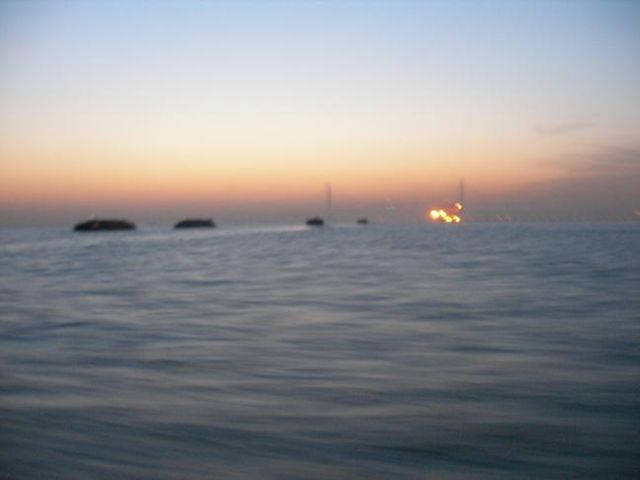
<point>242,110</point>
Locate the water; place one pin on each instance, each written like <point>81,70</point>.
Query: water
<point>379,352</point>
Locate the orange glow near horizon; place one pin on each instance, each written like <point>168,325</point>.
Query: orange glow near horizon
<point>228,176</point>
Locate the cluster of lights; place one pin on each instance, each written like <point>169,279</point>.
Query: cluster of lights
<point>449,215</point>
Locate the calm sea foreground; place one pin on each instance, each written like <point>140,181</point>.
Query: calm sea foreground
<point>344,352</point>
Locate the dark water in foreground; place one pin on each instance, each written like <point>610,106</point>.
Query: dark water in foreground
<point>484,351</point>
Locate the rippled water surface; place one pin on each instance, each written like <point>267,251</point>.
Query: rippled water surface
<point>377,352</point>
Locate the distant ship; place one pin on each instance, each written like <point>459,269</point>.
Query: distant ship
<point>195,223</point>
<point>104,224</point>
<point>362,221</point>
<point>319,221</point>
<point>315,222</point>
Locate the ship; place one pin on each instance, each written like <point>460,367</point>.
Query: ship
<point>315,222</point>
<point>319,221</point>
<point>104,224</point>
<point>195,223</point>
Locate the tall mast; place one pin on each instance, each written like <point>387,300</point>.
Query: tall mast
<point>327,201</point>
<point>461,194</point>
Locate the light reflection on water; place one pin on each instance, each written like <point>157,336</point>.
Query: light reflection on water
<point>481,351</point>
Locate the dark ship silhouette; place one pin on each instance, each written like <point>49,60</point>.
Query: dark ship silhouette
<point>315,222</point>
<point>362,221</point>
<point>195,223</point>
<point>319,221</point>
<point>104,224</point>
